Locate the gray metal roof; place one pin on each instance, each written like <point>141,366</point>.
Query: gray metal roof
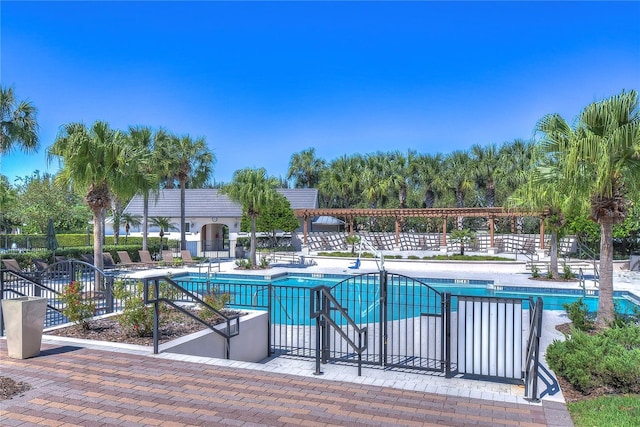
<point>209,202</point>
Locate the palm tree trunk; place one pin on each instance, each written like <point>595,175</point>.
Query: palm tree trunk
<point>183,239</point>
<point>98,229</point>
<point>145,220</point>
<point>553,255</point>
<point>252,252</point>
<point>606,309</point>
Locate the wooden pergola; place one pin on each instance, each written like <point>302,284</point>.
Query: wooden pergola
<point>349,216</point>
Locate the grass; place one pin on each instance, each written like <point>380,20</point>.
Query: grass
<point>606,411</point>
<point>458,257</point>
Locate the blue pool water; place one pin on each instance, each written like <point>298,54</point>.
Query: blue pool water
<point>292,294</point>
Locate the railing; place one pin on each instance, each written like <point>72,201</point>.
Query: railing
<point>322,303</point>
<point>592,257</point>
<point>531,366</point>
<point>177,293</point>
<point>364,242</point>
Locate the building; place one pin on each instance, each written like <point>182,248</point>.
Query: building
<point>212,219</point>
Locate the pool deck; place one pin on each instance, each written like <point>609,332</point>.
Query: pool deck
<point>81,382</point>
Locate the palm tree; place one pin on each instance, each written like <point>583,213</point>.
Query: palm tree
<point>95,162</point>
<point>603,163</point>
<point>342,179</point>
<point>252,189</point>
<point>427,172</point>
<point>18,126</point>
<point>191,163</point>
<point>150,172</point>
<point>305,168</point>
<point>515,160</point>
<point>457,176</point>
<point>164,224</point>
<point>485,163</point>
<point>130,221</point>
<point>396,172</point>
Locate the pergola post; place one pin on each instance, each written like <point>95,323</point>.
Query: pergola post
<point>541,233</point>
<point>305,218</point>
<point>491,232</point>
<point>397,231</point>
<point>443,243</point>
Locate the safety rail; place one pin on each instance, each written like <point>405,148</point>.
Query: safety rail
<point>232,322</point>
<point>322,303</point>
<point>592,257</point>
<point>364,242</point>
<point>532,361</point>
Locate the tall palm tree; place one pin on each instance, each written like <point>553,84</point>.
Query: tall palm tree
<point>427,172</point>
<point>396,173</point>
<point>191,163</point>
<point>515,160</point>
<point>305,168</point>
<point>485,162</point>
<point>458,177</point>
<point>18,125</point>
<point>603,162</point>
<point>149,173</point>
<point>254,190</point>
<point>342,179</point>
<point>95,162</point>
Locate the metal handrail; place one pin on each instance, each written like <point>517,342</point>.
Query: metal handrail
<point>533,349</point>
<point>322,302</point>
<point>157,299</point>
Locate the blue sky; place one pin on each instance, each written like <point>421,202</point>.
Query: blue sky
<point>263,80</point>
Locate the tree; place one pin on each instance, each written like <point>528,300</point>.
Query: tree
<point>130,221</point>
<point>465,237</point>
<point>18,125</point>
<point>602,163</point>
<point>254,190</point>
<point>276,216</point>
<point>39,197</point>
<point>164,224</point>
<point>94,162</point>
<point>457,175</point>
<point>485,163</point>
<point>191,163</point>
<point>305,168</point>
<point>155,150</point>
<point>427,172</point>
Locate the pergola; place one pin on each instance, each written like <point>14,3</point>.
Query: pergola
<point>400,214</point>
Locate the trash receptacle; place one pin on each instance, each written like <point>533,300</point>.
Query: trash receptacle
<point>24,323</point>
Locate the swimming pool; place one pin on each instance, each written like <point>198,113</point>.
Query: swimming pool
<point>246,290</point>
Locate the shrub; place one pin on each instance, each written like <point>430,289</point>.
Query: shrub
<point>77,307</point>
<point>535,271</point>
<point>215,299</point>
<point>243,264</point>
<point>137,317</point>
<point>610,359</point>
<point>579,316</point>
<point>567,274</point>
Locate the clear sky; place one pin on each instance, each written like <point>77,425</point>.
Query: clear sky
<point>263,80</point>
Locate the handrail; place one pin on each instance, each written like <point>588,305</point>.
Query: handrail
<point>157,299</point>
<point>533,349</point>
<point>375,251</point>
<point>322,302</point>
<point>254,301</point>
<point>591,255</point>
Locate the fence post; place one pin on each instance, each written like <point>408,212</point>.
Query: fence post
<point>108,293</point>
<point>383,317</point>
<point>446,325</point>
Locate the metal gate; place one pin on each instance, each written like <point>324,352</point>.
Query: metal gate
<point>406,322</point>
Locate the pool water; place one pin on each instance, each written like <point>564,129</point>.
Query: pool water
<point>292,294</point>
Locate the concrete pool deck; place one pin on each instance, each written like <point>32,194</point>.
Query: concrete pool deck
<point>81,382</point>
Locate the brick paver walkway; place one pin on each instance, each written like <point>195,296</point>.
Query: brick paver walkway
<point>80,386</point>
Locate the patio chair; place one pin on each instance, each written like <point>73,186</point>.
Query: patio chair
<point>125,260</point>
<point>186,258</point>
<point>13,266</point>
<point>107,262</point>
<point>87,258</point>
<point>167,257</point>
<point>145,257</point>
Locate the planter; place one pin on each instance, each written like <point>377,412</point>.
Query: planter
<point>24,322</point>
<point>251,345</point>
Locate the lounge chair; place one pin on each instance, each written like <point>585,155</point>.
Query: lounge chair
<point>167,257</point>
<point>107,262</point>
<point>125,260</point>
<point>186,258</point>
<point>145,257</point>
<point>87,258</point>
<point>13,266</point>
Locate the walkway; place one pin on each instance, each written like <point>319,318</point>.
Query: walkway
<point>72,385</point>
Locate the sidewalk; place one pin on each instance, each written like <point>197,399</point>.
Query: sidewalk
<point>72,385</point>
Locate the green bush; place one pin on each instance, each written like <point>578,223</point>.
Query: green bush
<point>535,271</point>
<point>77,307</point>
<point>136,317</point>
<point>567,274</point>
<point>215,299</point>
<point>579,316</point>
<point>609,359</point>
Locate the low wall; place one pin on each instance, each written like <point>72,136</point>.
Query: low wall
<point>251,345</point>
